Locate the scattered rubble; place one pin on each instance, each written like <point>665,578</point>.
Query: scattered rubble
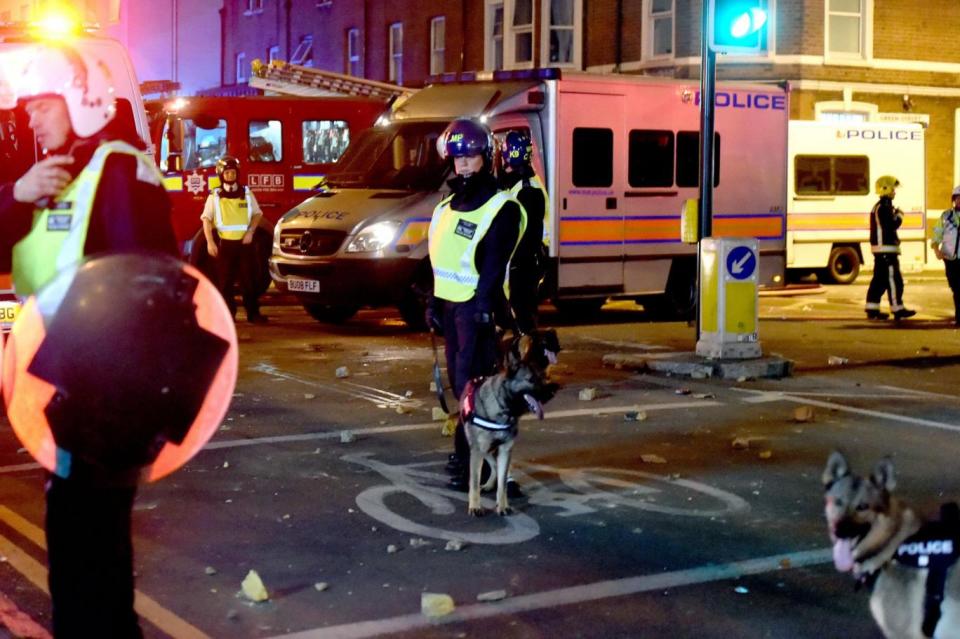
<point>834,360</point>
<point>253,588</point>
<point>802,414</point>
<point>342,372</point>
<point>320,586</point>
<point>493,595</point>
<point>347,437</point>
<point>455,545</point>
<point>436,604</point>
<point>652,459</point>
<point>587,394</point>
<point>635,416</point>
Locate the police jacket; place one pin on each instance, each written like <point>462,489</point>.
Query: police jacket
<point>128,214</point>
<point>494,250</point>
<point>885,219</point>
<point>532,200</point>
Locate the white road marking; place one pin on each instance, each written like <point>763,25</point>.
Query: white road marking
<point>920,393</point>
<point>617,344</point>
<point>343,387</point>
<point>571,595</point>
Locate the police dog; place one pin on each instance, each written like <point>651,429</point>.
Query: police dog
<point>883,541</point>
<point>491,408</point>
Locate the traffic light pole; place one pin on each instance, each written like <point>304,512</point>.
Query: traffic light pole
<point>708,92</point>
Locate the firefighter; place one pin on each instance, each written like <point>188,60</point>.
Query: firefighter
<point>473,233</point>
<point>96,192</point>
<point>885,219</point>
<point>526,268</point>
<point>232,211</point>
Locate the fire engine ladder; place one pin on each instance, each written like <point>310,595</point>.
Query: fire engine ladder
<point>293,79</point>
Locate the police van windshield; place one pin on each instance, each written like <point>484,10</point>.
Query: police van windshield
<point>400,156</point>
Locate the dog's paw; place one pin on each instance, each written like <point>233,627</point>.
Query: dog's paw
<point>476,512</point>
<point>503,511</point>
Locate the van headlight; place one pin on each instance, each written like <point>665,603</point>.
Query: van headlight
<point>375,237</point>
<point>276,235</point>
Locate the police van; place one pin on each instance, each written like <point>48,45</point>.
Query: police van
<point>285,146</point>
<point>832,167</point>
<point>18,148</point>
<point>619,155</point>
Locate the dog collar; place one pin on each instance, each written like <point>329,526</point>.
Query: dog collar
<point>468,408</point>
<point>484,423</point>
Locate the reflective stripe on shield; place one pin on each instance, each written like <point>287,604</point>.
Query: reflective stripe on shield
<point>122,367</point>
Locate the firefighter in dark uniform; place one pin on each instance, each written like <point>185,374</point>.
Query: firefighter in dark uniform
<point>885,219</point>
<point>526,268</point>
<point>96,192</point>
<point>473,234</point>
<point>232,211</point>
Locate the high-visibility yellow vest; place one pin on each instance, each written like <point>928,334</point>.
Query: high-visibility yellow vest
<point>59,232</point>
<point>232,215</point>
<point>453,240</point>
<point>535,182</point>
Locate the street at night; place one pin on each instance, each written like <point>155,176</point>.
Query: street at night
<point>665,506</point>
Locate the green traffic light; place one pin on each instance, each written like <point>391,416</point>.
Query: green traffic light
<point>748,23</point>
<point>736,25</point>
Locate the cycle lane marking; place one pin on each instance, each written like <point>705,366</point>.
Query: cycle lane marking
<point>572,595</point>
<point>36,573</point>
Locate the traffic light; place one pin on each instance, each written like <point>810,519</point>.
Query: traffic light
<point>736,26</point>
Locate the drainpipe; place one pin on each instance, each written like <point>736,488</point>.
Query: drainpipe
<point>223,41</point>
<point>463,34</point>
<point>618,51</point>
<point>287,7</point>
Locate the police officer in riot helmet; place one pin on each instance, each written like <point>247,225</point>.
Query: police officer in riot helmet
<point>230,218</point>
<point>526,268</point>
<point>476,220</point>
<point>94,193</point>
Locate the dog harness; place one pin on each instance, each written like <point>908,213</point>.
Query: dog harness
<point>935,547</point>
<point>468,408</point>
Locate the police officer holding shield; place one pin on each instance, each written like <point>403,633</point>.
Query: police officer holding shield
<point>96,192</point>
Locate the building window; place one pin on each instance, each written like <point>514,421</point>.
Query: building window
<point>521,26</point>
<point>396,53</point>
<point>658,37</point>
<point>845,111</point>
<point>845,27</point>
<point>354,64</point>
<point>494,39</point>
<point>241,68</point>
<point>273,53</point>
<point>438,27</point>
<point>562,25</point>
<point>303,55</point>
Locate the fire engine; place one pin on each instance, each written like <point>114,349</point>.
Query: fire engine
<point>619,155</point>
<point>18,149</point>
<point>285,145</point>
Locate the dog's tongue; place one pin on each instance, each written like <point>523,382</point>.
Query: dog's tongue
<point>535,406</point>
<point>843,555</point>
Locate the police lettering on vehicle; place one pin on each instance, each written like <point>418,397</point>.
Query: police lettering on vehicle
<point>759,101</point>
<point>465,229</point>
<point>870,134</point>
<point>317,215</point>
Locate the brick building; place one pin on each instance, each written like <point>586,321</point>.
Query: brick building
<point>845,59</point>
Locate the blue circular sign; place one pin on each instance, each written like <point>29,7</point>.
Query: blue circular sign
<point>741,262</point>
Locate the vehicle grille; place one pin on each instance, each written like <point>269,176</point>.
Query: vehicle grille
<point>314,242</point>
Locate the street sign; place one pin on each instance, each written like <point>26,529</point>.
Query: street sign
<point>741,262</point>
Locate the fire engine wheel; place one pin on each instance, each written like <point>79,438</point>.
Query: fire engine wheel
<point>330,313</point>
<point>843,266</point>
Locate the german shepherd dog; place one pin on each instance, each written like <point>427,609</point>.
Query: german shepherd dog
<point>881,540</point>
<point>492,406</point>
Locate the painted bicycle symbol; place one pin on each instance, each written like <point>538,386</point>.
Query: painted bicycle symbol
<point>572,491</point>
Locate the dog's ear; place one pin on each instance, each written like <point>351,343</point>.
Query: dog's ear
<point>837,468</point>
<point>883,475</point>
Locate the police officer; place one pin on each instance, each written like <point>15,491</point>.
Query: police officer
<point>232,211</point>
<point>946,246</point>
<point>526,268</point>
<point>473,233</point>
<point>96,192</point>
<point>885,219</point>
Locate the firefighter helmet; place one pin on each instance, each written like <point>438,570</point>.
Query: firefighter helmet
<point>466,137</point>
<point>516,150</point>
<point>225,163</point>
<point>886,185</point>
<point>82,79</point>
<point>123,366</point>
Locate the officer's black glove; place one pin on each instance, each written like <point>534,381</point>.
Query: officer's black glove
<point>434,317</point>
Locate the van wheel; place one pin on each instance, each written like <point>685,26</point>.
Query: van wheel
<point>330,313</point>
<point>843,266</point>
<point>679,300</point>
<point>413,304</point>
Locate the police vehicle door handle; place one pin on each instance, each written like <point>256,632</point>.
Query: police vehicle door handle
<point>611,203</point>
<point>564,204</point>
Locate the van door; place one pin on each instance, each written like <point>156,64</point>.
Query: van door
<point>589,182</point>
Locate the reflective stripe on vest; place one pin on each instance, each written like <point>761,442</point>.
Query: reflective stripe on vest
<point>229,216</point>
<point>59,232</point>
<point>535,182</point>
<point>453,240</point>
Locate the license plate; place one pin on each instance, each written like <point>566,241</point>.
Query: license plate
<point>303,286</point>
<point>8,313</point>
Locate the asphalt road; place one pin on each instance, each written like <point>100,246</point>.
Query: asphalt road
<point>656,527</point>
